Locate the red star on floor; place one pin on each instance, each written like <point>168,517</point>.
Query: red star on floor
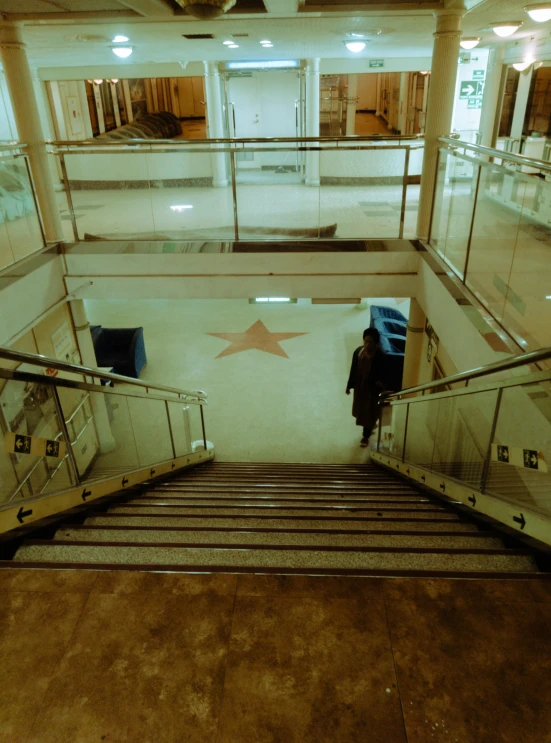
<point>257,336</point>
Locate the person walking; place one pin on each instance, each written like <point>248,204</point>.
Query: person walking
<point>368,375</point>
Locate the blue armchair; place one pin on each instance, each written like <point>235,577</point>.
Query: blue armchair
<point>392,327</point>
<point>121,348</point>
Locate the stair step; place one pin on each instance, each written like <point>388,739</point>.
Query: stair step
<point>378,558</point>
<point>244,538</point>
<point>270,488</point>
<point>305,512</point>
<point>289,522</point>
<point>153,498</point>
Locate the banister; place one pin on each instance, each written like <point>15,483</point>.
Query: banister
<point>24,357</point>
<point>501,154</point>
<point>227,140</point>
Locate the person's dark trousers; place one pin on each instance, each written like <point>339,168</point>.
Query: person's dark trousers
<point>366,432</point>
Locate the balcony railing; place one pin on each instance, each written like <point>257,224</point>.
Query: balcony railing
<point>240,190</point>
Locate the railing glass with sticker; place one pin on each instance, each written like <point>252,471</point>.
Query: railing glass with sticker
<point>66,426</point>
<point>488,429</point>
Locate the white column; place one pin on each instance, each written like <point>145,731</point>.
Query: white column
<point>351,105</point>
<point>379,94</point>
<point>215,121</point>
<point>88,356</point>
<point>312,119</point>
<point>404,99</point>
<point>414,345</point>
<point>521,103</point>
<point>25,108</point>
<point>445,58</point>
<point>491,110</point>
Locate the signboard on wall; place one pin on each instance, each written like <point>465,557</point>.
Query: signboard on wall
<point>376,62</point>
<point>75,118</point>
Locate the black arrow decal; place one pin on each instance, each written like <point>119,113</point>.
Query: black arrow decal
<point>472,500</point>
<point>521,521</point>
<point>389,461</point>
<point>85,494</point>
<point>423,478</point>
<point>443,486</point>
<point>173,465</point>
<point>152,473</point>
<point>21,514</point>
<point>397,466</point>
<point>124,481</point>
<point>407,471</point>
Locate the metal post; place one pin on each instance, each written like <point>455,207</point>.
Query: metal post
<point>472,224</point>
<point>381,406</point>
<point>486,465</point>
<point>234,195</point>
<point>36,205</point>
<point>65,432</point>
<point>68,193</point>
<point>404,192</point>
<point>170,429</point>
<point>203,427</point>
<point>434,195</point>
<point>405,434</point>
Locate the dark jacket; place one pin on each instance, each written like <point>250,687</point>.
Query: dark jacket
<point>378,373</point>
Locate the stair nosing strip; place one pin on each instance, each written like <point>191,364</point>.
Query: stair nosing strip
<point>280,530</point>
<point>246,506</point>
<point>457,520</point>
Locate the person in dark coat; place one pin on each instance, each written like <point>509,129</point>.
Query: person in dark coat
<point>368,377</point>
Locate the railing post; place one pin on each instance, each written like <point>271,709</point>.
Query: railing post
<point>170,429</point>
<point>404,192</point>
<point>65,432</point>
<point>381,408</point>
<point>433,202</point>
<point>203,427</point>
<point>234,194</point>
<point>405,434</point>
<point>486,465</point>
<point>467,256</point>
<point>68,194</point>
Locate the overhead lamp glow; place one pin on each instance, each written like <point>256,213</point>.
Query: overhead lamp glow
<point>469,42</point>
<point>423,72</point>
<point>507,28</point>
<point>272,299</point>
<point>121,38</point>
<point>227,43</point>
<point>267,46</point>
<point>540,12</point>
<point>122,51</point>
<point>265,41</point>
<point>181,207</point>
<point>521,66</point>
<point>233,46</point>
<point>115,80</point>
<point>355,46</point>
<point>98,82</point>
<point>263,64</point>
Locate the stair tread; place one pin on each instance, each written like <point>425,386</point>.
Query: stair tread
<point>274,558</point>
<point>329,512</point>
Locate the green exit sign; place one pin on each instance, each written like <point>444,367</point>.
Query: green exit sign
<point>376,62</point>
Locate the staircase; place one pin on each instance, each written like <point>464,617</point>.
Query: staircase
<point>315,519</point>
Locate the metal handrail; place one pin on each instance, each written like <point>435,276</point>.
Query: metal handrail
<point>23,357</point>
<point>498,366</point>
<point>501,154</point>
<point>11,145</point>
<point>236,140</point>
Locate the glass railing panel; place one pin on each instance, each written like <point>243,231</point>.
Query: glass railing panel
<point>393,436</point>
<point>28,411</point>
<point>18,214</point>
<point>6,253</point>
<point>272,202</point>
<point>442,201</point>
<point>110,193</point>
<point>422,427</point>
<point>180,422</point>
<point>361,191</point>
<point>191,195</point>
<point>151,430</point>
<point>196,427</point>
<point>462,435</point>
<point>495,231</point>
<point>519,474</point>
<point>527,309</point>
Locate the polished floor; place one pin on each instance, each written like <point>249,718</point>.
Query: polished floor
<point>367,123</point>
<point>128,656</point>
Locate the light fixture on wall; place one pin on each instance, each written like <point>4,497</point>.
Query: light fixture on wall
<point>206,10</point>
<point>469,42</point>
<point>122,51</point>
<point>521,66</point>
<point>540,12</point>
<point>505,28</point>
<point>355,46</point>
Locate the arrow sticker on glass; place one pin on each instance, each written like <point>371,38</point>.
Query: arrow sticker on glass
<point>527,458</point>
<point>17,443</point>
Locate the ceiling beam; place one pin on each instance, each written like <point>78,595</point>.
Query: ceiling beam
<point>281,7</point>
<point>86,15</point>
<point>149,8</point>
<point>325,6</point>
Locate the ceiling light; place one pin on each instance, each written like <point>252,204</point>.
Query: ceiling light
<point>521,66</point>
<point>227,43</point>
<point>540,12</point>
<point>206,9</point>
<point>122,51</point>
<point>355,46</point>
<point>469,42</point>
<point>233,46</point>
<point>98,82</point>
<point>263,64</point>
<point>265,41</point>
<point>267,46</point>
<point>121,38</point>
<point>181,207</point>
<point>115,80</point>
<point>507,28</point>
<point>272,299</point>
<point>423,72</point>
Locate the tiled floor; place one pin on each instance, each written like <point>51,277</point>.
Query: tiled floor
<point>127,656</point>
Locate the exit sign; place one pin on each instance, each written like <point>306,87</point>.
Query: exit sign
<point>376,62</point>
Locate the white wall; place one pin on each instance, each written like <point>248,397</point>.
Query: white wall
<point>367,92</point>
<point>370,164</point>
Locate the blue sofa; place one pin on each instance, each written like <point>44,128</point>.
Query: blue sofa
<point>123,349</point>
<point>392,326</point>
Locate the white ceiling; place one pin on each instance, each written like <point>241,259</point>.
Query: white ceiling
<point>404,34</point>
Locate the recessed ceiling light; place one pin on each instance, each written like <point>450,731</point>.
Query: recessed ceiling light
<point>263,64</point>
<point>121,38</point>
<point>122,51</point>
<point>355,46</point>
<point>469,42</point>
<point>265,41</point>
<point>506,28</point>
<point>227,43</point>
<point>267,46</point>
<point>540,12</point>
<point>233,46</point>
<point>181,207</point>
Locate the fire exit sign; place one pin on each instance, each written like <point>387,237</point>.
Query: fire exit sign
<point>376,62</point>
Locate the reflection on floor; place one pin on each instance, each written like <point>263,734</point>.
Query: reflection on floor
<point>231,659</point>
<point>367,123</point>
<point>193,129</point>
